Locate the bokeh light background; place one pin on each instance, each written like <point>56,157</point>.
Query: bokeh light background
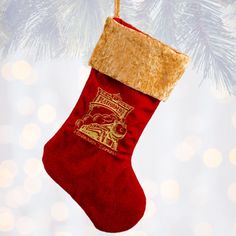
<point>185,159</point>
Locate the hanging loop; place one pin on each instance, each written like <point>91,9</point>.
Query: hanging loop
<point>117,8</point>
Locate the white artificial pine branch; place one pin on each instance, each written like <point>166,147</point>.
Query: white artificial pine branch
<point>164,14</point>
<point>48,29</point>
<point>3,30</point>
<point>202,35</point>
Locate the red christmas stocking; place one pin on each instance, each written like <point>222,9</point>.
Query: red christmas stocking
<point>90,155</point>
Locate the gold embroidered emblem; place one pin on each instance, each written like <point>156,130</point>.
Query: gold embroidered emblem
<point>104,123</point>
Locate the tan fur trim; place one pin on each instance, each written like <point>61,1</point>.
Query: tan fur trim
<point>138,60</point>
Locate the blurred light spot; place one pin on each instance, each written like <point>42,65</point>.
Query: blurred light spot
<point>150,188</point>
<point>6,71</point>
<point>25,225</point>
<point>232,192</point>
<point>62,234</point>
<point>6,134</point>
<point>21,70</point>
<point>6,178</point>
<point>203,229</point>
<point>232,156</point>
<point>212,158</point>
<point>10,165</point>
<point>17,197</point>
<point>29,136</point>
<point>233,119</point>
<point>188,148</point>
<point>25,106</point>
<point>7,220</point>
<point>32,185</point>
<point>46,113</point>
<point>33,167</point>
<point>234,230</point>
<point>151,208</point>
<point>8,170</point>
<point>59,211</point>
<point>170,190</point>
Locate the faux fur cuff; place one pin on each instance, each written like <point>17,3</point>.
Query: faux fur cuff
<point>138,60</point>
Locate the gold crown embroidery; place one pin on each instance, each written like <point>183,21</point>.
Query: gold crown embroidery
<point>104,123</point>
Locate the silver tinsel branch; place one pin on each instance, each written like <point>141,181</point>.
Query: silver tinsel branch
<point>49,29</point>
<point>164,14</point>
<point>79,25</point>
<point>3,30</point>
<point>230,16</point>
<point>202,35</point>
<point>137,13</point>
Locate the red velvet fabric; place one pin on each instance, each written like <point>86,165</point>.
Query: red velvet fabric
<point>100,177</point>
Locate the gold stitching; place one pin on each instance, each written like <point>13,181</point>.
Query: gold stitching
<point>104,123</point>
